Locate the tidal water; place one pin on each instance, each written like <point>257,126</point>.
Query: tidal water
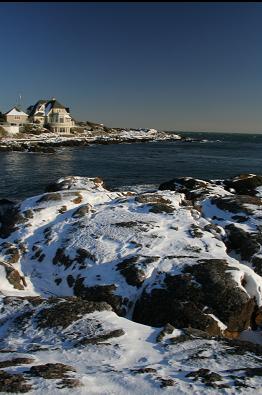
<point>120,165</point>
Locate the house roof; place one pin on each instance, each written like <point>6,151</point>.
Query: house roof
<point>15,111</point>
<point>49,104</point>
<point>55,104</point>
<point>32,109</point>
<point>39,114</point>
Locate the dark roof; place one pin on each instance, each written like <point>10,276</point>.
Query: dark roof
<point>56,104</point>
<point>39,114</point>
<point>31,109</point>
<point>53,104</point>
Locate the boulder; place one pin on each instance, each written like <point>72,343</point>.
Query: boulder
<point>244,243</point>
<point>13,383</point>
<point>244,184</point>
<point>71,182</point>
<point>67,311</point>
<point>133,269</point>
<point>51,370</point>
<point>100,293</point>
<point>13,276</point>
<point>183,185</point>
<point>10,221</point>
<point>237,203</point>
<point>187,299</point>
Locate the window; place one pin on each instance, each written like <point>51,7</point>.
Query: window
<point>61,120</point>
<point>17,117</point>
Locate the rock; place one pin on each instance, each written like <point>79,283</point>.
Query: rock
<point>144,371</point>
<point>241,347</point>
<point>167,330</point>
<point>38,148</point>
<point>13,253</point>
<point>100,293</point>
<point>61,258</point>
<point>14,277</point>
<point>15,362</point>
<point>10,221</point>
<point>71,182</point>
<point>161,306</point>
<point>205,375</point>
<point>192,332</point>
<point>161,208</point>
<point>257,265</point>
<point>82,211</point>
<point>50,197</point>
<point>78,199</point>
<point>51,370</point>
<point>244,243</point>
<point>15,383</point>
<point>183,185</point>
<point>152,198</point>
<point>166,382</point>
<point>258,318</point>
<point>69,383</point>
<point>237,204</point>
<point>181,302</point>
<point>244,184</point>
<point>251,372</point>
<point>100,338</point>
<point>134,269</point>
<point>229,303</point>
<point>195,231</point>
<point>62,209</point>
<point>70,280</point>
<point>67,311</point>
<point>5,204</point>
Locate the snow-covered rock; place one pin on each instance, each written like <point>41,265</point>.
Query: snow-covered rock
<point>78,262</point>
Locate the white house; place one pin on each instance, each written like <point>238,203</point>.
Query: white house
<point>15,116</point>
<point>51,114</point>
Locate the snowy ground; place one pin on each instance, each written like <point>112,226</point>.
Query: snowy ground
<point>89,137</point>
<point>82,236</point>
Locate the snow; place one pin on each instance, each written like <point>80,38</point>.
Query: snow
<point>14,111</point>
<point>119,225</point>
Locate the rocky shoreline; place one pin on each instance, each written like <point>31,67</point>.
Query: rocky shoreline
<point>156,290</point>
<point>48,144</point>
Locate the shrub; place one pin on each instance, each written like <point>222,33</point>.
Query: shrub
<point>3,132</point>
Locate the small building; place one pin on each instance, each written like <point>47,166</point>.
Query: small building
<point>15,116</point>
<point>51,114</point>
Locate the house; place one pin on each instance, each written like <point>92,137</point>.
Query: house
<point>16,117</point>
<point>51,114</point>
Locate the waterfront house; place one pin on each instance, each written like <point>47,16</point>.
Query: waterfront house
<point>16,117</point>
<point>51,114</point>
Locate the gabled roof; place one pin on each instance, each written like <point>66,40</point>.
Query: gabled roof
<point>15,111</point>
<point>32,109</point>
<point>49,105</point>
<point>55,104</point>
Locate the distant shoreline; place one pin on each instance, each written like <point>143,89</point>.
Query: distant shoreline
<point>47,143</point>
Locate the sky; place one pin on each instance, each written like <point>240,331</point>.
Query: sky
<point>170,66</point>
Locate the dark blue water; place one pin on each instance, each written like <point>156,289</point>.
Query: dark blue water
<point>223,155</point>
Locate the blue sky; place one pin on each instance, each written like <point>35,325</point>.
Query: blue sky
<point>183,66</point>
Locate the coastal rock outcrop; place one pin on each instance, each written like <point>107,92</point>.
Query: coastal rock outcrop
<point>176,273</point>
<point>161,257</point>
<point>203,297</point>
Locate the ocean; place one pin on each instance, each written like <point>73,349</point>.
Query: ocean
<point>139,165</point>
